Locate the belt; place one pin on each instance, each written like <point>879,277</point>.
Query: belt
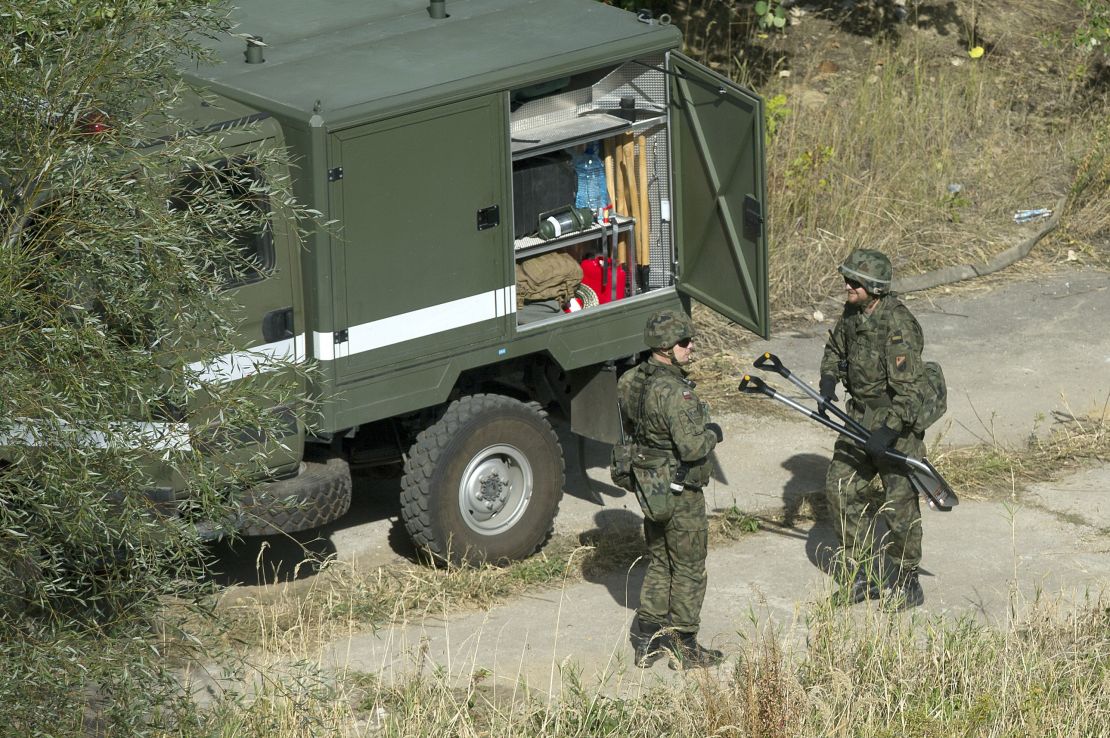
<point>874,403</point>
<point>653,452</point>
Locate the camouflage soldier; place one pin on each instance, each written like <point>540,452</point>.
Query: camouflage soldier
<point>672,438</point>
<point>875,351</point>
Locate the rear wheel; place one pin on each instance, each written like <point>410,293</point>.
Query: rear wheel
<point>484,482</point>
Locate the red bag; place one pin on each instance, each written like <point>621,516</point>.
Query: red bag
<point>598,274</point>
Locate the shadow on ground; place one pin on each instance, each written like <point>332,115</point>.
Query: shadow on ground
<point>290,557</point>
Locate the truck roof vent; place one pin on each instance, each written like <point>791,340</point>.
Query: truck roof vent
<point>254,50</point>
<point>437,9</point>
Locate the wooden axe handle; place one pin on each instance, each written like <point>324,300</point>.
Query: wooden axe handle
<point>642,242</point>
<point>609,171</point>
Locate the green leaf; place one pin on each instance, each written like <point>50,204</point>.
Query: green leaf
<point>761,8</point>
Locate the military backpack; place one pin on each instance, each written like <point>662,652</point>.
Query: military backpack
<point>935,403</point>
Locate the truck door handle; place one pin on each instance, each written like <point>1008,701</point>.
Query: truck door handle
<point>277,325</point>
<point>489,217</point>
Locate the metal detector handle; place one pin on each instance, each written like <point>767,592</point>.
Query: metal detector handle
<point>756,386</point>
<point>772,362</point>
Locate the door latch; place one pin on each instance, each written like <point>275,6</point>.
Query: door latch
<point>277,325</point>
<point>489,217</point>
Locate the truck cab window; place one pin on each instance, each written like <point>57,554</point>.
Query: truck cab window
<point>205,193</point>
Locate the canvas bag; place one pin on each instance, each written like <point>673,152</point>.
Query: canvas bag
<point>551,276</point>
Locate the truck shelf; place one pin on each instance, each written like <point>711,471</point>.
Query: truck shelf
<point>567,133</point>
<point>534,245</point>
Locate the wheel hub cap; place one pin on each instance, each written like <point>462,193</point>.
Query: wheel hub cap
<point>495,489</point>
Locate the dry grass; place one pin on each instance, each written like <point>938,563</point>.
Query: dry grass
<point>994,471</point>
<point>865,156</point>
<point>875,676</point>
<point>293,618</point>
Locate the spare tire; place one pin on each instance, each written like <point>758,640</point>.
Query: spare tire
<point>318,494</point>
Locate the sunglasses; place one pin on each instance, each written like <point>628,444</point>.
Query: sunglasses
<point>853,284</point>
<point>684,343</point>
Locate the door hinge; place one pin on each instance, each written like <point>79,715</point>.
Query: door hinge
<point>335,174</point>
<point>342,336</point>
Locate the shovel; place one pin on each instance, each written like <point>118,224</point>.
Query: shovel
<point>926,480</point>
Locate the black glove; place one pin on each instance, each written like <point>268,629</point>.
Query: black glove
<point>715,430</point>
<point>828,387</point>
<point>881,439</point>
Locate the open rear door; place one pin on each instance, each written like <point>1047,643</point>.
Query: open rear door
<point>720,190</point>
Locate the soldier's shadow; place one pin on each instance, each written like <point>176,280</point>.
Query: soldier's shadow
<point>803,495</point>
<point>617,556</point>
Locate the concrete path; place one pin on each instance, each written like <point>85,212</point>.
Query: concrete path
<point>1013,354</point>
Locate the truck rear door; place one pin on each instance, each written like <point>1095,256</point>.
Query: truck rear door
<point>717,149</point>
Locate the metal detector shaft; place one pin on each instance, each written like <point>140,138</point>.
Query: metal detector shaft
<point>755,385</point>
<point>925,479</point>
<point>772,362</point>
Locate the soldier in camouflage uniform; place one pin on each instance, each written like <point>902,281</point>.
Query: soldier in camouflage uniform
<point>875,351</point>
<point>672,439</point>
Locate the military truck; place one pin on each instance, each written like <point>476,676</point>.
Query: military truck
<point>436,138</point>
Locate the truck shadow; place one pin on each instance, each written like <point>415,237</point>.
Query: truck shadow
<point>264,560</point>
<point>579,455</point>
<point>375,514</point>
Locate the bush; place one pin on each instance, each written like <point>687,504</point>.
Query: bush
<point>120,231</point>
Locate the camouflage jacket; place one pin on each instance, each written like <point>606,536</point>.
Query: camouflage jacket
<point>665,415</point>
<point>877,357</point>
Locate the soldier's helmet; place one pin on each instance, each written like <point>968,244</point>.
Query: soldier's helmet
<point>666,328</point>
<point>870,268</point>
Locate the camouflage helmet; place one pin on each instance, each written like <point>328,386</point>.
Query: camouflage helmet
<point>870,268</point>
<point>666,328</point>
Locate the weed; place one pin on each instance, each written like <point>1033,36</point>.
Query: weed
<point>979,471</point>
<point>775,112</point>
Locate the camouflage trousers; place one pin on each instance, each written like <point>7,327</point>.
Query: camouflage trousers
<point>676,529</point>
<point>847,487</point>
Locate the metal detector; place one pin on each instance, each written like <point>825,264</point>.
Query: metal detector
<point>926,480</point>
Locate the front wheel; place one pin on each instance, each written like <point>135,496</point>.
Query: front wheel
<point>484,482</point>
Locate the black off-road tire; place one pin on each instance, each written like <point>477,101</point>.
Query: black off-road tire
<point>319,494</point>
<point>483,484</point>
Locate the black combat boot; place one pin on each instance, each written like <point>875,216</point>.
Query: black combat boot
<point>650,644</point>
<point>861,588</point>
<point>905,593</point>
<point>687,653</point>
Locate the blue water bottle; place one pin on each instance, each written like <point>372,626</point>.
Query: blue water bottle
<point>592,192</point>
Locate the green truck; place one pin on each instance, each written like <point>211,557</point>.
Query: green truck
<point>437,138</point>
